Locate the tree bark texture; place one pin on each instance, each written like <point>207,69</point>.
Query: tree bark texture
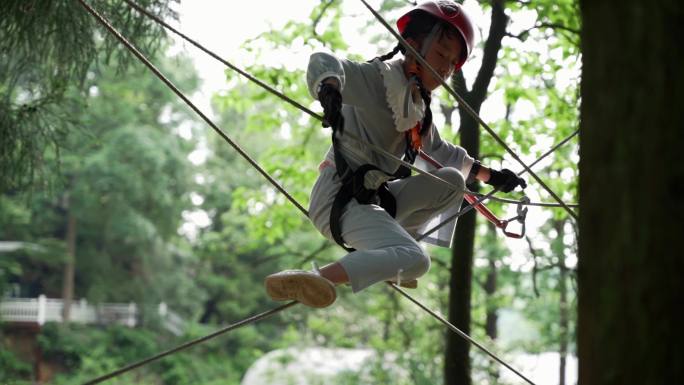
<point>564,323</point>
<point>490,288</point>
<point>564,318</point>
<point>69,266</point>
<point>492,317</point>
<point>631,192</point>
<point>457,353</point>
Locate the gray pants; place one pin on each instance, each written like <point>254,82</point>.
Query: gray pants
<point>385,245</point>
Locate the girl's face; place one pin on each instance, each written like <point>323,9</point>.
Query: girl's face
<point>442,55</point>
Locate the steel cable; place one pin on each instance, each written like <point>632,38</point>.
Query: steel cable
<point>271,312</point>
<point>315,115</point>
<point>462,103</point>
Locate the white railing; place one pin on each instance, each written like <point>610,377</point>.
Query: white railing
<point>172,321</point>
<point>42,309</point>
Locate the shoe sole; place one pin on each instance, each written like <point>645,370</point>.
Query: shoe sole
<point>308,289</point>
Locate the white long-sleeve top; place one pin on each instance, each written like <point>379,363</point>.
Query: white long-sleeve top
<point>373,96</point>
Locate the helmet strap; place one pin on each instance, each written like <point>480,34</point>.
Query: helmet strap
<point>434,32</point>
<point>425,47</point>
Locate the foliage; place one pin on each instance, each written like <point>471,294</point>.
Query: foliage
<point>125,179</point>
<point>560,104</point>
<point>11,367</point>
<point>123,172</point>
<point>90,352</point>
<point>538,74</point>
<point>46,50</point>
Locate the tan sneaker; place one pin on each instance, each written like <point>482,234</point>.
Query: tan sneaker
<point>302,286</point>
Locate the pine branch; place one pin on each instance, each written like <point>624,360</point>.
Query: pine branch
<point>46,51</point>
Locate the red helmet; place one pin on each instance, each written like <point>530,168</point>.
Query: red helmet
<point>452,13</point>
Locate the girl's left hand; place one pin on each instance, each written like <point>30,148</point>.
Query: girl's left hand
<point>505,179</point>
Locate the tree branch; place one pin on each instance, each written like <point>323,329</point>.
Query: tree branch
<point>497,30</point>
<point>480,283</point>
<point>535,269</point>
<point>498,157</point>
<point>320,16</point>
<point>439,262</point>
<point>523,35</point>
<point>447,111</point>
<point>458,83</point>
<point>324,245</point>
<point>305,257</point>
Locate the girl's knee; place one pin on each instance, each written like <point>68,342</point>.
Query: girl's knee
<point>453,176</point>
<point>417,264</point>
<point>451,195</point>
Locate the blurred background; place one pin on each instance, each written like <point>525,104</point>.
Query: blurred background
<point>127,226</point>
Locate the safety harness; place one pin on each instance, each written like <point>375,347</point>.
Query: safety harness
<point>367,184</point>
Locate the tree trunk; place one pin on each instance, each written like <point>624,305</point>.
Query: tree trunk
<point>209,310</point>
<point>492,317</point>
<point>457,351</point>
<point>457,356</point>
<point>69,266</point>
<point>564,319</point>
<point>490,291</point>
<point>631,187</point>
<point>564,322</point>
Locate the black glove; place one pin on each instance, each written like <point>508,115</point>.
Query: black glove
<point>506,179</point>
<point>331,100</point>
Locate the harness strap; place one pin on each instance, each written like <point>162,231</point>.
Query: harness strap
<point>355,186</point>
<point>373,190</point>
<point>341,199</point>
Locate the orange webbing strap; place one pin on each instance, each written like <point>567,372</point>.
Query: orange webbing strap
<point>414,136</point>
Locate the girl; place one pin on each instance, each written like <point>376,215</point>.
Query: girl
<point>367,202</point>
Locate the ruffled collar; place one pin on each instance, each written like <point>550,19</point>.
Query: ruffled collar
<point>405,111</point>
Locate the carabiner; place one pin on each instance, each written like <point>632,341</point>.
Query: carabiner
<point>522,215</point>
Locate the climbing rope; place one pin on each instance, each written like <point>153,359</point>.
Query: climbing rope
<point>482,209</point>
<point>170,84</point>
<point>187,101</point>
<point>554,148</point>
<point>266,314</point>
<point>320,118</point>
<point>463,104</point>
<point>464,210</point>
<point>224,62</point>
<point>469,197</point>
<point>281,95</point>
<point>188,344</point>
<point>458,331</point>
<point>175,89</point>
